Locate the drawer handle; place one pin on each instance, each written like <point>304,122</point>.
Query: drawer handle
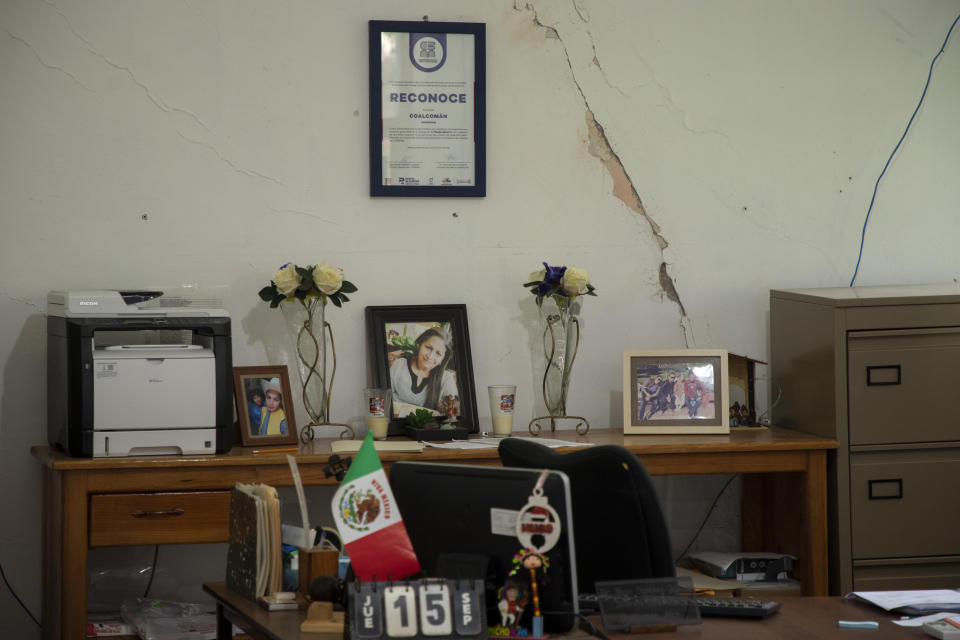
<point>889,489</point>
<point>883,376</point>
<point>169,513</point>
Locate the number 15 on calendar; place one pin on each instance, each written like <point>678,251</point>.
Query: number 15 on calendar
<point>417,609</point>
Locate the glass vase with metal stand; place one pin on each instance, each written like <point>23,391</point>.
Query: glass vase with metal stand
<point>561,343</point>
<point>313,334</point>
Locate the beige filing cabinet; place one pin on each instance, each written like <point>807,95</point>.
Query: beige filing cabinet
<point>878,368</point>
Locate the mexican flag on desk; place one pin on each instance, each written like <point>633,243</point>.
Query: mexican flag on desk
<point>369,521</point>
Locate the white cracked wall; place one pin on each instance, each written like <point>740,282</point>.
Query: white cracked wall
<point>150,143</point>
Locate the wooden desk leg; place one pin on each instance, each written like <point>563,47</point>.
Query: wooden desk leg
<point>224,626</point>
<point>52,530</point>
<point>815,517</point>
<point>787,513</point>
<point>74,542</point>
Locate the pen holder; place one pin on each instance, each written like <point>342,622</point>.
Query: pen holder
<point>313,564</point>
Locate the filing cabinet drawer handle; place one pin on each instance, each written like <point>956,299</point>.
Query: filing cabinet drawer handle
<point>169,513</point>
<point>888,489</point>
<point>880,376</point>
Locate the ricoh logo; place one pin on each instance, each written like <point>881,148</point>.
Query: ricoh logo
<point>89,303</point>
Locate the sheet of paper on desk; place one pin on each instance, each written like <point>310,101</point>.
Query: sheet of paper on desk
<point>918,622</point>
<point>921,599</point>
<point>353,446</point>
<point>493,443</point>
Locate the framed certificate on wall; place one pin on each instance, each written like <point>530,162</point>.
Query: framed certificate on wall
<point>427,109</point>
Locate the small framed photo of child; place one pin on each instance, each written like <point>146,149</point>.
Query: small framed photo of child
<point>264,406</point>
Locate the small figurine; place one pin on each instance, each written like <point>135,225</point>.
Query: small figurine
<point>511,605</point>
<point>530,560</point>
<point>735,414</point>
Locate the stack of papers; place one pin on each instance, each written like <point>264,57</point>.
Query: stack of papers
<point>493,443</point>
<point>353,446</point>
<point>911,602</point>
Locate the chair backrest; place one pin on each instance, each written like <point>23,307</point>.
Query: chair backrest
<point>619,529</point>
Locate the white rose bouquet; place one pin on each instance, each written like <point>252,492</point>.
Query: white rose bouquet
<point>303,283</point>
<point>563,284</point>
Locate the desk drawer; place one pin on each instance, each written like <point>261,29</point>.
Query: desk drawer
<point>903,503</point>
<point>119,519</point>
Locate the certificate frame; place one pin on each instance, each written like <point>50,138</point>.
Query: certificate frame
<point>406,175</point>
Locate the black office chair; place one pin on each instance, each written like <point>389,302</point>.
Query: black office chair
<point>618,526</point>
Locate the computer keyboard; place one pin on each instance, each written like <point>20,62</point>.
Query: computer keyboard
<point>736,607</point>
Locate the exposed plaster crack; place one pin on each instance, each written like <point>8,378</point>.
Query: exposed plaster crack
<point>43,62</point>
<point>599,146</point>
<point>669,290</point>
<point>304,213</point>
<point>247,172</point>
<point>623,188</point>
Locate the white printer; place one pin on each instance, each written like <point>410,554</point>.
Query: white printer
<point>138,373</point>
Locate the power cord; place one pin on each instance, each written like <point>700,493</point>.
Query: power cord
<point>863,233</point>
<point>706,517</point>
<point>153,570</point>
<point>14,594</point>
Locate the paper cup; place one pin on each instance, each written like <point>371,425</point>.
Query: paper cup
<point>376,411</point>
<point>502,398</point>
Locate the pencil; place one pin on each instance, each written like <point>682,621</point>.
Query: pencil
<point>277,450</point>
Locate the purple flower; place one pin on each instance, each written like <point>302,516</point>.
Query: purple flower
<point>553,274</point>
<point>551,279</point>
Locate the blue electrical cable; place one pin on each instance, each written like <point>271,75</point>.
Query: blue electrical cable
<point>863,233</point>
<point>14,594</point>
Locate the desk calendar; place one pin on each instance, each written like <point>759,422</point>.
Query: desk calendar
<point>417,609</point>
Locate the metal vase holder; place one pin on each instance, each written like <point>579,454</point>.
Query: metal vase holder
<point>556,360</point>
<point>312,367</point>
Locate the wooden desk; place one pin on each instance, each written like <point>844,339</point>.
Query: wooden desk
<point>100,502</point>
<point>799,618</point>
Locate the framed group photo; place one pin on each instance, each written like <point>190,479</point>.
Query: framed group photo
<point>264,405</point>
<point>675,391</point>
<point>422,354</point>
<point>427,108</point>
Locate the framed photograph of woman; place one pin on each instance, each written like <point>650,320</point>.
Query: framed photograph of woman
<point>422,353</point>
<point>675,391</point>
<point>264,405</point>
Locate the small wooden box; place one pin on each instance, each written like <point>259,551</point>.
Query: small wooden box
<point>313,564</point>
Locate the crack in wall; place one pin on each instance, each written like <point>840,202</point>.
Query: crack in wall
<point>623,188</point>
<point>90,46</point>
<point>156,100</point>
<point>24,301</point>
<point>43,62</point>
<point>303,213</point>
<point>671,104</point>
<point>230,163</point>
<point>603,72</point>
